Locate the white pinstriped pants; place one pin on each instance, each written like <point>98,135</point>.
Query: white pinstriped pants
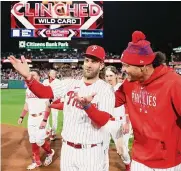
<point>136,166</point>
<point>90,159</point>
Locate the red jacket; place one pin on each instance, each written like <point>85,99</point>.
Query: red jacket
<point>154,106</point>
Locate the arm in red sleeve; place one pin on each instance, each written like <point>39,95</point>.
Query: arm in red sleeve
<point>39,89</point>
<point>126,113</point>
<point>120,97</point>
<point>56,101</point>
<point>58,106</point>
<point>97,116</point>
<point>126,109</point>
<point>46,113</point>
<point>24,111</point>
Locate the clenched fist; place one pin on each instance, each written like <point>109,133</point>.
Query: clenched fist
<point>43,125</point>
<point>20,120</point>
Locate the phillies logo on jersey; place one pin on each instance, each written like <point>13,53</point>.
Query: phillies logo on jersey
<point>72,101</point>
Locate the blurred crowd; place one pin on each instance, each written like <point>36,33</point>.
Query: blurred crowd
<point>52,55</point>
<point>76,73</point>
<point>66,71</point>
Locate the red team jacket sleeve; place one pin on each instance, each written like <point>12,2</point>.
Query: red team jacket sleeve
<point>176,96</point>
<point>97,116</point>
<point>120,97</point>
<point>39,89</point>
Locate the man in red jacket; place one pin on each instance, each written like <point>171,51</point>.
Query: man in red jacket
<point>152,93</point>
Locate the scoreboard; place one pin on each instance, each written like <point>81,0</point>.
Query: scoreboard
<point>57,20</point>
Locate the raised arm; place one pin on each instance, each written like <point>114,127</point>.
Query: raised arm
<point>39,89</point>
<point>56,90</point>
<point>23,69</point>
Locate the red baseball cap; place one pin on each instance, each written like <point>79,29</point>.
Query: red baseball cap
<point>96,51</point>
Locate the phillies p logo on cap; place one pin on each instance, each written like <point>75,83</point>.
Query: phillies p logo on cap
<point>94,48</point>
<point>96,51</point>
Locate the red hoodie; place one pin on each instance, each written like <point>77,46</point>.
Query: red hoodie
<point>154,106</point>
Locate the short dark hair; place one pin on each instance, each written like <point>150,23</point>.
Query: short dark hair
<point>37,71</point>
<point>93,58</point>
<point>160,59</point>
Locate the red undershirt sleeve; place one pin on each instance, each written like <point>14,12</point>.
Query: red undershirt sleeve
<point>39,89</point>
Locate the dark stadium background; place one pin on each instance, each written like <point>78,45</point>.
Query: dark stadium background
<point>160,21</point>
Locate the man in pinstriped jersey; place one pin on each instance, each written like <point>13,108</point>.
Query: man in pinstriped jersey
<point>82,148</point>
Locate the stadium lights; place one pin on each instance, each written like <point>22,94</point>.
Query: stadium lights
<point>30,65</point>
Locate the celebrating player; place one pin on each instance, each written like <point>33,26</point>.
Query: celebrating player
<point>152,96</point>
<point>37,136</point>
<point>52,78</point>
<point>82,148</point>
<point>119,125</point>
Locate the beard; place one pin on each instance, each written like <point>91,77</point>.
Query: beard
<point>89,74</point>
<point>133,77</point>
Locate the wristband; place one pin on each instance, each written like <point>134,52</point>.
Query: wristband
<point>86,106</point>
<point>21,117</point>
<point>44,120</point>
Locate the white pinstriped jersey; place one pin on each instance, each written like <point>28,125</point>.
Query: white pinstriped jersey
<point>77,126</point>
<point>35,105</point>
<point>47,83</point>
<point>119,111</point>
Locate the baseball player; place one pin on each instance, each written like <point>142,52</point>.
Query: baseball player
<point>119,125</point>
<point>36,108</point>
<point>51,79</point>
<point>82,148</point>
<point>151,93</point>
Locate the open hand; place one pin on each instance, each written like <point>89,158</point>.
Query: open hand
<point>84,101</point>
<point>21,66</point>
<point>125,128</point>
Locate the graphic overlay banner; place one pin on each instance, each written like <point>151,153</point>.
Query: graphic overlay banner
<point>57,20</point>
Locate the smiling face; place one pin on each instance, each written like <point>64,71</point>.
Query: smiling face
<point>134,73</point>
<point>92,67</point>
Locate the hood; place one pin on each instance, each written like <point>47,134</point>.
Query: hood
<point>158,72</point>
